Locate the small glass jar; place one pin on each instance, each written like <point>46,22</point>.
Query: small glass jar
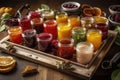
<point>34,14</point>
<point>25,23</point>
<point>48,15</point>
<point>29,37</point>
<point>102,24</point>
<point>94,36</point>
<point>87,22</point>
<point>61,18</point>
<point>64,31</point>
<point>74,21</point>
<point>15,31</point>
<point>79,34</point>
<point>37,24</point>
<point>50,26</point>
<point>104,28</point>
<point>44,40</point>
<point>84,52</point>
<point>66,48</point>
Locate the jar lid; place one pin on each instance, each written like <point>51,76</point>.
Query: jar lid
<point>12,22</point>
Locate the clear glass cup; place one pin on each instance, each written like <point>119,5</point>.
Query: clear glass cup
<point>101,23</point>
<point>104,28</point>
<point>87,22</point>
<point>64,31</point>
<point>66,48</point>
<point>74,20</point>
<point>29,37</point>
<point>84,52</point>
<point>34,14</point>
<point>44,40</point>
<point>61,18</point>
<point>48,15</point>
<point>78,34</point>
<point>25,23</point>
<point>50,26</point>
<point>14,31</point>
<point>37,24</point>
<point>94,36</point>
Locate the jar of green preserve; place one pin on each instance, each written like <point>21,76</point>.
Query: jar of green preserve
<point>79,34</point>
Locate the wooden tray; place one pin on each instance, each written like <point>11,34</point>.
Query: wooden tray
<point>82,71</point>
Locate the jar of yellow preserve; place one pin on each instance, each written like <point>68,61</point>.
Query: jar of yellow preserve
<point>94,36</point>
<point>74,21</point>
<point>61,18</point>
<point>64,31</point>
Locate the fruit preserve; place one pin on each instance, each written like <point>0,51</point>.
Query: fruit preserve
<point>50,26</point>
<point>29,37</point>
<point>25,24</point>
<point>94,36</point>
<point>44,40</point>
<point>66,48</point>
<point>37,24</point>
<point>15,34</point>
<point>79,34</point>
<point>14,31</point>
<point>104,28</point>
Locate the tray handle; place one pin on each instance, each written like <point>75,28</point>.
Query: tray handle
<point>19,13</point>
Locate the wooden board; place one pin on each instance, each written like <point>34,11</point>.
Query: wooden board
<point>50,60</point>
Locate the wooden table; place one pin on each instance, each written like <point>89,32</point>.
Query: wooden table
<point>46,73</point>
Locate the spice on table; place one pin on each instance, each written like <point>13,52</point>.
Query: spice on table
<point>29,70</point>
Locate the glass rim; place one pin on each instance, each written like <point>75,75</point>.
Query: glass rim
<point>66,45</point>
<point>33,30</point>
<point>50,25</point>
<point>89,45</point>
<point>48,39</point>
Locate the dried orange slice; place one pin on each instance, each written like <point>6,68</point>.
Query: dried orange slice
<point>7,69</point>
<point>88,12</point>
<point>97,11</point>
<point>7,63</point>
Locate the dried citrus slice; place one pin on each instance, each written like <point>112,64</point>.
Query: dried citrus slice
<point>7,69</point>
<point>6,62</point>
<point>97,11</point>
<point>88,12</point>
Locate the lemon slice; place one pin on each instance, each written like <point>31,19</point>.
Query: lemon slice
<point>7,69</point>
<point>7,63</point>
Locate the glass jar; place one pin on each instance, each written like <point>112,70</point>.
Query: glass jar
<point>64,31</point>
<point>50,26</point>
<point>74,21</point>
<point>29,37</point>
<point>102,24</point>
<point>87,22</point>
<point>84,52</point>
<point>37,24</point>
<point>66,48</point>
<point>79,34</point>
<point>104,28</point>
<point>61,18</point>
<point>48,15</point>
<point>94,36</point>
<point>34,14</point>
<point>44,40</point>
<point>14,31</point>
<point>25,23</point>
